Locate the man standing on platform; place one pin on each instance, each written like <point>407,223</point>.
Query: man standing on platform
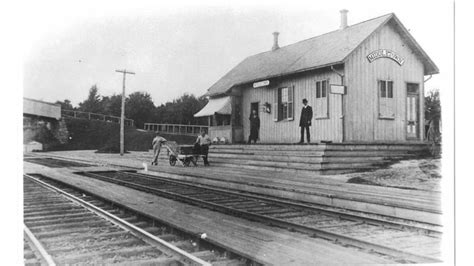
<point>254,126</point>
<point>157,142</point>
<point>305,120</point>
<point>202,144</point>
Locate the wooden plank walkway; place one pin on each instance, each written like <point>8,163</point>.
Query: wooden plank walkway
<point>265,244</point>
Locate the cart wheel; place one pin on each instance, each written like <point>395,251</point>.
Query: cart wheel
<point>173,160</point>
<point>186,162</point>
<point>194,161</point>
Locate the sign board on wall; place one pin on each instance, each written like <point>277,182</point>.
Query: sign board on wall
<point>262,83</point>
<point>384,53</point>
<point>337,89</point>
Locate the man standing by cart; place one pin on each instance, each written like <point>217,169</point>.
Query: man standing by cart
<point>202,144</point>
<point>157,142</point>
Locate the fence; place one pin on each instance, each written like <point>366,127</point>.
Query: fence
<point>94,116</point>
<point>191,130</point>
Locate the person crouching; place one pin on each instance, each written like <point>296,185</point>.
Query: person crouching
<point>201,146</point>
<point>157,142</point>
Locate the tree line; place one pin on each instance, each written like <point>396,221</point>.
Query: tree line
<point>139,106</point>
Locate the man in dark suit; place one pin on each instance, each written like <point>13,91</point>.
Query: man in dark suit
<point>305,120</point>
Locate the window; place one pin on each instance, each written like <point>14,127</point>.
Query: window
<point>386,102</point>
<point>386,89</point>
<point>283,104</point>
<point>322,99</point>
<point>321,87</point>
<point>412,88</point>
<point>220,120</point>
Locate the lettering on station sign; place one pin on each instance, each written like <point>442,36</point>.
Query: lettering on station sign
<point>262,83</point>
<point>384,53</point>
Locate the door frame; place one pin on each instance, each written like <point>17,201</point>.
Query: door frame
<point>418,111</point>
<point>258,106</point>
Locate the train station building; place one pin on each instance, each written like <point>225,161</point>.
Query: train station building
<point>365,83</point>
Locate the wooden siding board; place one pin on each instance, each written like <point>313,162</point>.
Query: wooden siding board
<point>289,131</point>
<point>362,119</point>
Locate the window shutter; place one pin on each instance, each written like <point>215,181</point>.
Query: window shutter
<point>383,89</point>
<point>318,89</point>
<point>323,89</point>
<point>327,98</point>
<point>291,96</point>
<point>275,105</point>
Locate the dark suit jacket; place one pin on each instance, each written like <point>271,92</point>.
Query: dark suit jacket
<point>254,126</point>
<point>306,116</point>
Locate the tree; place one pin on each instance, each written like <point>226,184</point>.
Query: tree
<point>92,103</point>
<point>433,114</point>
<point>433,105</point>
<point>65,105</point>
<point>181,111</point>
<point>112,104</point>
<point>140,107</point>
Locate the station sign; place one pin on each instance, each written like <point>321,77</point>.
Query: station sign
<point>384,53</point>
<point>262,83</point>
<point>337,89</point>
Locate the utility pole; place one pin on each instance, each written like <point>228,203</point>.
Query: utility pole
<point>122,113</point>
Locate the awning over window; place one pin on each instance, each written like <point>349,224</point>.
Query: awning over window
<point>216,106</point>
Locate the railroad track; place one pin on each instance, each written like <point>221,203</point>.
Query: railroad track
<point>54,163</point>
<point>65,226</point>
<point>404,242</point>
<point>401,243</point>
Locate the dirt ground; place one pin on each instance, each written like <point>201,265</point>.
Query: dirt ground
<point>421,174</point>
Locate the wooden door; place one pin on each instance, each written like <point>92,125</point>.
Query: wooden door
<point>254,106</point>
<point>413,111</point>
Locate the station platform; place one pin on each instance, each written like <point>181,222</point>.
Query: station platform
<point>333,191</point>
<point>264,244</point>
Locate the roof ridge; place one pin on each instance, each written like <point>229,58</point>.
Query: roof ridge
<point>311,48</point>
<point>317,36</point>
<point>329,48</point>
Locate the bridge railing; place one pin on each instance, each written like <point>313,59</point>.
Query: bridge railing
<point>95,116</point>
<point>180,129</point>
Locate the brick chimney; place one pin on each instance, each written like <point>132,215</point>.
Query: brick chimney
<point>343,18</point>
<point>275,41</point>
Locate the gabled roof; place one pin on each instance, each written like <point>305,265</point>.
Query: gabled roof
<point>321,51</point>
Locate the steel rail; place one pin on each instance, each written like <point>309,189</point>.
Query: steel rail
<point>180,254</point>
<point>38,246</point>
<point>369,220</point>
<point>326,195</point>
<point>274,199</point>
<point>317,194</point>
<point>337,238</point>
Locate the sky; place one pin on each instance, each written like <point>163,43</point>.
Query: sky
<point>185,48</point>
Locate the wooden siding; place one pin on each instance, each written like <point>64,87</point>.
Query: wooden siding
<point>289,131</point>
<point>362,122</point>
<point>221,132</point>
